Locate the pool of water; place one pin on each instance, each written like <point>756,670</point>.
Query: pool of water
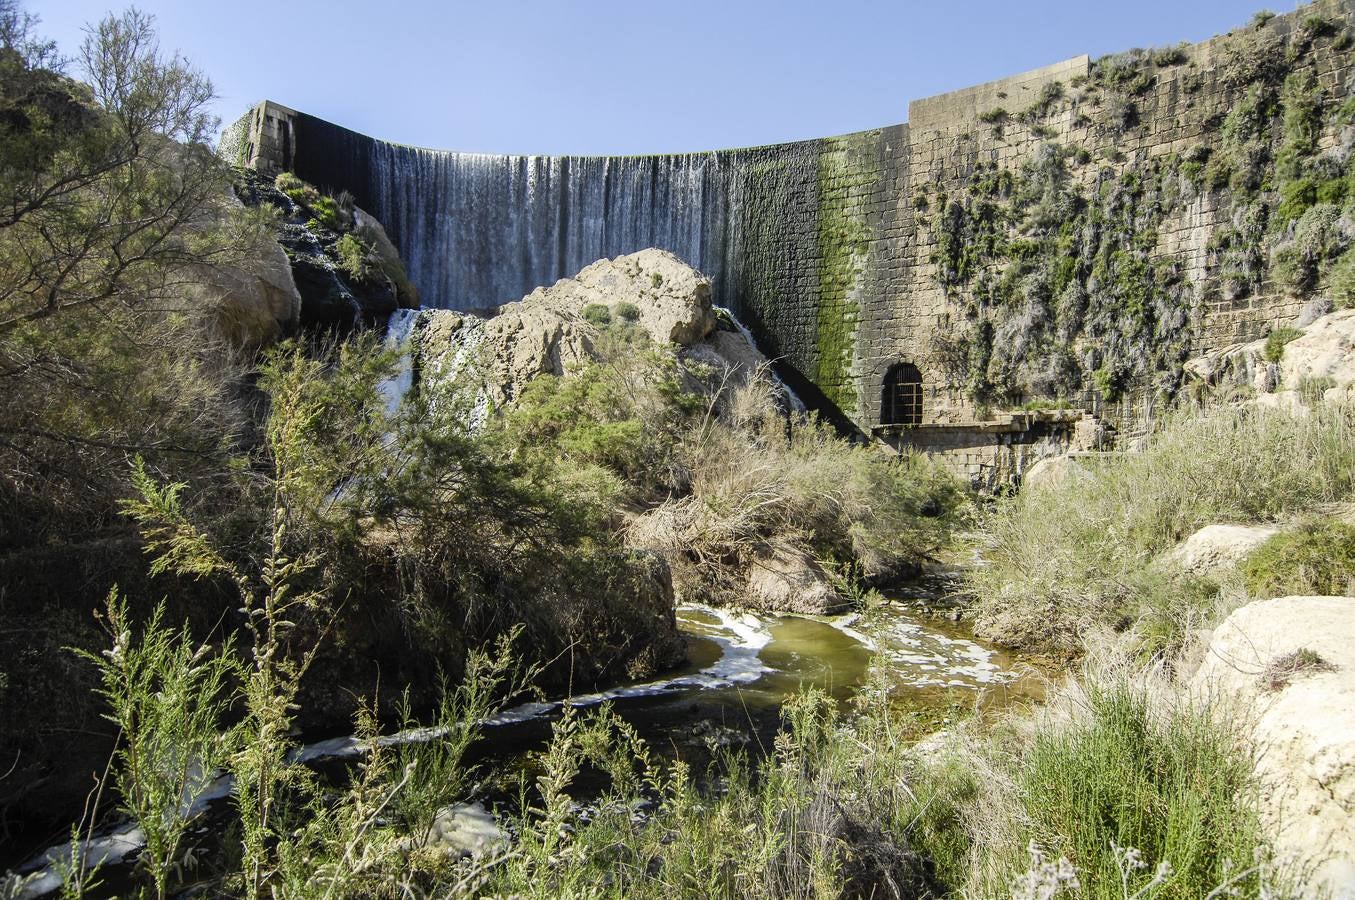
<point>741,668</point>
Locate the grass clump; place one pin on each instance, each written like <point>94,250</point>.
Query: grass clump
<point>1128,789</point>
<point>1316,557</point>
<point>1070,557</point>
<point>1313,388</point>
<point>323,208</point>
<point>1276,341</point>
<point>1285,668</point>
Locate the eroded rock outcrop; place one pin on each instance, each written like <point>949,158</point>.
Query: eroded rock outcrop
<point>1289,666</point>
<point>556,330</point>
<point>1323,355</point>
<point>1216,547</point>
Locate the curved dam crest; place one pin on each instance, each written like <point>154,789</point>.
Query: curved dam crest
<point>769,225</point>
<point>855,260</point>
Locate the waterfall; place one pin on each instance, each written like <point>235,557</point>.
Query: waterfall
<point>796,404</point>
<point>477,230</point>
<point>399,330</point>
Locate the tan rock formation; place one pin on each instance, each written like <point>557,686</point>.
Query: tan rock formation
<point>1217,547</point>
<point>252,303</point>
<point>787,579</point>
<point>1289,665</point>
<point>673,298</point>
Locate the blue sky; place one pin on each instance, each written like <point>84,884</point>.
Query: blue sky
<point>523,76</point>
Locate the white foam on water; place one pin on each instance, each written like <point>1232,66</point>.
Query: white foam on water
<point>926,658</point>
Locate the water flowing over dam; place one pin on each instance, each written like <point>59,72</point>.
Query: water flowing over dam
<point>478,229</point>
<point>782,231</point>
<point>537,219</point>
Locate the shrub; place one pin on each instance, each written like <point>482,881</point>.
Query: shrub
<point>1341,280</point>
<point>1312,388</point>
<point>1317,557</point>
<point>353,256</point>
<point>1276,342</point>
<point>598,314</point>
<point>1065,558</point>
<point>1261,18</point>
<point>993,116</point>
<point>629,312</point>
<point>1117,762</point>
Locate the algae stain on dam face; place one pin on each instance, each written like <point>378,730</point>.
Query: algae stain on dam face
<point>844,236</point>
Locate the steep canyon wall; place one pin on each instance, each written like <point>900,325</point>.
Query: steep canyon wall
<point>1070,233</point>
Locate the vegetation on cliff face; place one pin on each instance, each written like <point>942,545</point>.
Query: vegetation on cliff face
<point>1059,266</point>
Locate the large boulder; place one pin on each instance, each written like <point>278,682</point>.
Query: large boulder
<point>1324,350</point>
<point>1216,547</point>
<point>787,579</point>
<point>1289,664</point>
<point>253,302</point>
<point>386,256</point>
<point>552,331</point>
<point>673,298</point>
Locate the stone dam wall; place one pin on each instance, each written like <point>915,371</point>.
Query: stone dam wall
<point>930,243</point>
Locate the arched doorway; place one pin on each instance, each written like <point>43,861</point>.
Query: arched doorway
<point>901,397</point>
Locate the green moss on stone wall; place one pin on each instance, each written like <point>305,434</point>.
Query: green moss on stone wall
<point>843,245</point>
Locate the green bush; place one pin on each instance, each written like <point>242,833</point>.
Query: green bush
<point>629,312</point>
<point>1317,557</point>
<point>1341,280</point>
<point>1277,340</point>
<point>325,210</point>
<point>1116,765</point>
<point>598,314</point>
<point>353,256</point>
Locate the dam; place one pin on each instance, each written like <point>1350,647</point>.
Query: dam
<point>898,275</point>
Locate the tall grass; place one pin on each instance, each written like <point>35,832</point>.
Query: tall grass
<point>1131,785</point>
<point>1063,558</point>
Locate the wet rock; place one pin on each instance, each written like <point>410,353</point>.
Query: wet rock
<point>504,353</point>
<point>1289,666</point>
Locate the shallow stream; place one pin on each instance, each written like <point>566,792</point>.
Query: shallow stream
<point>742,667</point>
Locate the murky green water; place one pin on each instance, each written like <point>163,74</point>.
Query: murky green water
<point>741,669</point>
